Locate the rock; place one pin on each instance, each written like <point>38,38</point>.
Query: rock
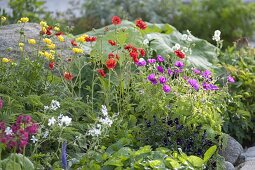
<point>250,154</point>
<point>232,151</point>
<point>10,36</point>
<point>248,165</point>
<point>229,166</point>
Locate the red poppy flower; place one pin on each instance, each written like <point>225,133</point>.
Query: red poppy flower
<point>141,24</point>
<point>142,52</point>
<point>110,55</point>
<point>112,43</point>
<point>68,76</point>
<point>90,39</point>
<point>59,33</point>
<point>110,63</point>
<point>101,72</point>
<point>116,20</point>
<point>133,54</point>
<point>130,47</point>
<point>48,30</point>
<point>51,65</point>
<point>74,43</point>
<point>179,54</point>
<point>135,59</point>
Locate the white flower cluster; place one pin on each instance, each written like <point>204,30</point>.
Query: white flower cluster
<point>187,37</point>
<point>104,121</point>
<point>53,106</point>
<point>62,121</point>
<point>216,36</point>
<point>95,130</point>
<point>183,49</point>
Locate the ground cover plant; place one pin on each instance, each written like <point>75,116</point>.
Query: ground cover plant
<point>132,95</point>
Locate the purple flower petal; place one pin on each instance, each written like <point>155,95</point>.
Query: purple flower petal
<point>160,69</point>
<point>193,83</point>
<point>166,88</point>
<point>160,58</point>
<point>231,79</point>
<point>179,64</point>
<point>162,80</point>
<point>196,71</point>
<point>151,61</point>
<point>141,62</point>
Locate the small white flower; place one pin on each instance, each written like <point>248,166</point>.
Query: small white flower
<point>216,36</point>
<point>54,105</point>
<point>176,47</point>
<point>51,121</point>
<point>46,134</point>
<point>34,139</point>
<point>217,33</point>
<point>95,131</point>
<point>141,91</point>
<point>188,31</point>
<point>104,110</point>
<point>106,121</point>
<point>46,108</point>
<point>65,120</point>
<point>8,131</point>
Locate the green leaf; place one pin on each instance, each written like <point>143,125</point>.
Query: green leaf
<point>156,164</point>
<point>196,161</point>
<point>208,154</point>
<point>114,162</point>
<point>143,150</point>
<point>171,163</point>
<point>11,165</point>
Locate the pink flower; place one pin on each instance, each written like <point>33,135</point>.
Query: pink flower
<point>1,103</point>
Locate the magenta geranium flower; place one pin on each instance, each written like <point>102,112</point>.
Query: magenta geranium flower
<point>179,64</point>
<point>231,79</point>
<point>160,69</point>
<point>166,88</point>
<point>160,58</point>
<point>152,78</point>
<point>193,83</point>
<point>162,80</point>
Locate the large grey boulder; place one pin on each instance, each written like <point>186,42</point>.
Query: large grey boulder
<point>250,154</point>
<point>10,37</point>
<point>232,151</point>
<point>229,166</point>
<point>248,165</point>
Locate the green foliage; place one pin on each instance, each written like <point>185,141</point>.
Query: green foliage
<point>233,18</point>
<point>241,108</point>
<point>16,162</point>
<point>124,157</point>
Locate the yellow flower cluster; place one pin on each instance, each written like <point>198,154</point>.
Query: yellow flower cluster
<point>24,19</point>
<point>21,45</point>
<point>61,38</point>
<point>77,50</point>
<point>31,41</point>
<point>43,24</point>
<point>81,38</point>
<point>56,29</point>
<point>47,41</point>
<point>3,19</point>
<point>5,60</point>
<point>51,46</point>
<point>47,55</point>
